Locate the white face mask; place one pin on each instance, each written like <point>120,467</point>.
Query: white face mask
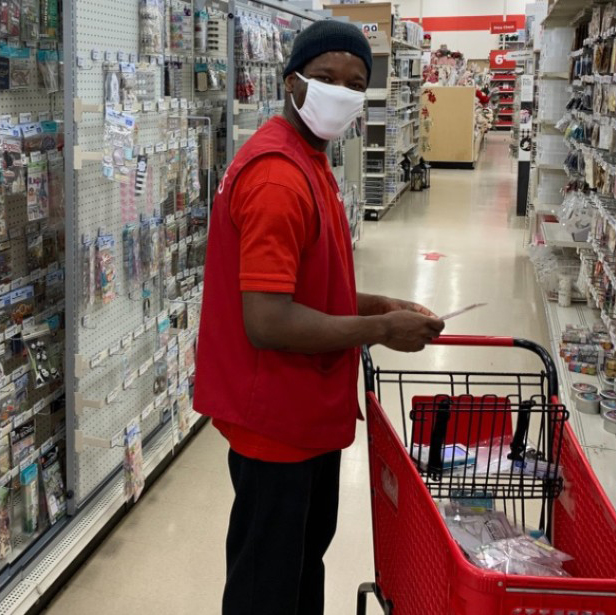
<point>329,110</point>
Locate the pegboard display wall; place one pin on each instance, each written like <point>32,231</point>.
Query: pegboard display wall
<point>116,340</point>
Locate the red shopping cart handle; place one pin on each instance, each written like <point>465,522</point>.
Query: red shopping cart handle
<point>474,340</point>
<point>485,341</point>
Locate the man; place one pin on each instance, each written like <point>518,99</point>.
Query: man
<point>281,326</point>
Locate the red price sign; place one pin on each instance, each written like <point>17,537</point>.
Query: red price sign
<point>498,59</point>
<point>503,27</point>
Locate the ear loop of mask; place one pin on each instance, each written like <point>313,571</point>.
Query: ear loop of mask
<point>306,81</point>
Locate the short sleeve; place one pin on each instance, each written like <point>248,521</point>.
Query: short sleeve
<point>273,210</point>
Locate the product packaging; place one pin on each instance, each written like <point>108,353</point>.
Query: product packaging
<point>522,555</point>
<point>55,170</point>
<point>13,166</point>
<point>151,27</point>
<point>49,19</point>
<point>164,331</point>
<point>472,530</point>
<point>160,376</point>
<point>106,272</point>
<point>54,287</point>
<point>21,304</point>
<point>48,70</point>
<point>5,444</point>
<point>182,405</point>
<point>10,19</point>
<point>6,262</point>
<point>29,479</point>
<point>151,247</point>
<point>134,482</point>
<point>4,227</point>
<point>132,257</point>
<point>6,546</point>
<point>22,442</point>
<point>30,21</point>
<point>88,269</point>
<point>118,146</point>
<point>38,191</point>
<point>53,485</point>
<point>34,251</point>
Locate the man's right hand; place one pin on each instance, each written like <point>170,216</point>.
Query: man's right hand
<point>410,331</point>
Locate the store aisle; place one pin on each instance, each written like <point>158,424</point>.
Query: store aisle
<point>167,556</point>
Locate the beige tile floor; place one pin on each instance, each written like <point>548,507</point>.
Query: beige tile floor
<point>167,556</point>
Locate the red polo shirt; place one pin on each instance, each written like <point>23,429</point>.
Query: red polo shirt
<point>274,211</point>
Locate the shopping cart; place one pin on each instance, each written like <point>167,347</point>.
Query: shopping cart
<point>548,485</point>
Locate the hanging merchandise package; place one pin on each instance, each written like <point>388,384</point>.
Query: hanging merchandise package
<point>32,138</point>
<point>55,172</point>
<point>22,442</point>
<point>118,159</point>
<point>49,19</point>
<point>183,409</point>
<point>134,478</point>
<point>22,304</point>
<point>106,268</point>
<point>6,546</point>
<point>6,262</point>
<point>4,229</point>
<point>132,257</point>
<point>10,19</point>
<point>13,161</point>
<point>53,485</point>
<point>30,21</point>
<point>5,447</point>
<point>29,479</point>
<point>151,27</point>
<point>34,251</point>
<point>38,191</point>
<point>48,70</point>
<point>88,277</point>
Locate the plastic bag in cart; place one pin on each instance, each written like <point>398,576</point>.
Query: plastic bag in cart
<point>522,555</point>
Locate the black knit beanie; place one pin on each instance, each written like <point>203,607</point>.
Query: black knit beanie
<point>327,35</point>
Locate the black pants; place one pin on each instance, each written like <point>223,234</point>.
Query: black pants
<point>282,522</point>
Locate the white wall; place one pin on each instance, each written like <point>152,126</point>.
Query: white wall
<point>474,44</point>
<point>453,8</point>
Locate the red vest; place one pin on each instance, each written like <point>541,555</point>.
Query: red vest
<point>308,401</point>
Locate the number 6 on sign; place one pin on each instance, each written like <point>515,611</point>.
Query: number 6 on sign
<point>498,59</point>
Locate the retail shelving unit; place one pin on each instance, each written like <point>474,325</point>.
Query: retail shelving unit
<point>575,122</point>
<point>504,80</point>
<point>392,114</point>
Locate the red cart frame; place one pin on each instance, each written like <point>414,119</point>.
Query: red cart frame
<point>420,569</point>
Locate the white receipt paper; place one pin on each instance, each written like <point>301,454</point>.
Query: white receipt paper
<point>468,308</point>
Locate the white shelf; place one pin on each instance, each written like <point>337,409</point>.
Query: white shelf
<point>377,94</point>
<point>546,208</point>
<point>374,149</point>
<point>554,76</point>
<point>404,106</point>
<point>375,123</point>
<point>597,444</point>
<point>405,44</point>
<point>551,167</point>
<point>555,235</point>
<point>402,186</point>
<point>375,175</point>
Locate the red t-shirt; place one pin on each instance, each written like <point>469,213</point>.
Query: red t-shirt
<point>274,211</point>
